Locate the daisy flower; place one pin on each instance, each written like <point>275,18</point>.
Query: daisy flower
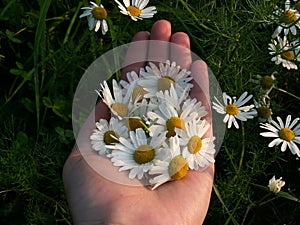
<point>234,109</point>
<point>136,10</point>
<point>284,134</point>
<point>138,153</point>
<point>167,117</point>
<point>173,167</point>
<point>179,102</point>
<point>198,151</point>
<point>155,79</point>
<point>97,15</point>
<point>275,185</point>
<point>138,91</point>
<point>266,82</point>
<point>288,20</point>
<point>107,133</point>
<point>264,112</point>
<point>120,105</point>
<point>285,53</point>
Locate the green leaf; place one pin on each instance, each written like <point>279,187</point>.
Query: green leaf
<point>47,102</point>
<point>22,138</point>
<point>19,65</point>
<point>11,36</point>
<point>28,104</point>
<point>288,196</point>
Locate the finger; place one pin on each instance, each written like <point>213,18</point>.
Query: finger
<point>180,50</point>
<point>136,55</point>
<point>200,90</point>
<point>159,50</point>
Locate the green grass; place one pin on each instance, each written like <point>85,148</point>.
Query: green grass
<point>45,49</point>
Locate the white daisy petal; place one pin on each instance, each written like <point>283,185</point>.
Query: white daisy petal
<point>283,134</point>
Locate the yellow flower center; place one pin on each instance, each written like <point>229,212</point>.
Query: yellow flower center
<point>99,13</point>
<point>139,93</point>
<point>266,82</point>
<point>195,144</point>
<point>133,11</point>
<point>144,154</point>
<point>135,123</point>
<point>120,108</point>
<point>172,123</point>
<point>289,55</point>
<point>264,112</point>
<point>178,167</point>
<point>231,109</point>
<point>288,17</point>
<point>108,139</point>
<point>165,83</point>
<point>297,6</point>
<point>286,134</point>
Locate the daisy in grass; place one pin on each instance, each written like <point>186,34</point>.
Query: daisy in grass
<point>285,53</point>
<point>264,112</point>
<point>173,167</point>
<point>107,133</point>
<point>97,15</point>
<point>275,185</point>
<point>167,117</point>
<point>155,79</point>
<point>197,150</point>
<point>119,104</point>
<point>266,82</point>
<point>286,134</point>
<point>234,109</point>
<point>136,10</point>
<point>288,20</point>
<point>138,153</point>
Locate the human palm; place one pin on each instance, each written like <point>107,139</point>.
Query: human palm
<point>95,200</point>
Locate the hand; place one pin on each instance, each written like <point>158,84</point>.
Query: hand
<point>96,200</point>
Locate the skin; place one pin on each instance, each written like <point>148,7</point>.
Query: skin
<point>95,200</point>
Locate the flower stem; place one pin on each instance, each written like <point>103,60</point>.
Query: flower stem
<point>286,92</point>
<point>201,24</point>
<point>243,147</point>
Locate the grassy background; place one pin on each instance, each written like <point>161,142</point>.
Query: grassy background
<point>44,50</point>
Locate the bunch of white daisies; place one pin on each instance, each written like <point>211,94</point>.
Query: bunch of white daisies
<point>285,45</point>
<point>97,14</point>
<point>156,131</point>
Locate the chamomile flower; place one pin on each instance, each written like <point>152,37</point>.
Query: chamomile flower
<point>138,153</point>
<point>138,91</point>
<point>173,167</point>
<point>198,151</point>
<point>286,134</point>
<point>288,20</point>
<point>234,109</point>
<point>266,82</point>
<point>107,133</point>
<point>171,98</point>
<point>284,53</point>
<point>97,15</point>
<point>264,112</point>
<point>275,185</point>
<point>167,117</point>
<point>155,79</point>
<point>136,10</point>
<point>119,104</point>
